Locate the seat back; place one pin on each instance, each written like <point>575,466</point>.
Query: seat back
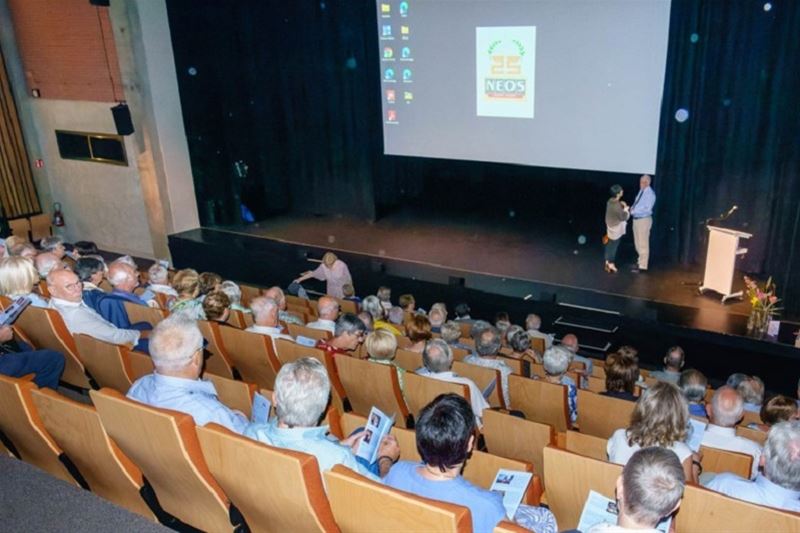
<point>20,227</point>
<point>517,438</point>
<point>46,330</point>
<point>750,417</point>
<point>705,510</point>
<point>600,415</point>
<point>144,313</point>
<point>235,394</point>
<point>164,445</point>
<point>421,390</point>
<point>408,360</point>
<point>140,364</point>
<point>754,435</point>
<point>107,363</point>
<point>520,367</point>
<point>587,445</point>
<point>483,378</point>
<point>506,526</point>
<point>368,384</point>
<point>253,356</point>
<point>540,401</point>
<point>537,345</point>
<point>596,384</point>
<point>360,504</point>
<point>299,505</point>
<point>288,351</point>
<point>347,306</point>
<point>41,227</point>
<point>716,461</point>
<point>248,293</point>
<point>236,319</point>
<point>570,477</point>
<point>77,430</point>
<point>311,333</point>
<point>21,424</point>
<point>219,363</point>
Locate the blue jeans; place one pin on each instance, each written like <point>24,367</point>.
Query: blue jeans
<point>611,250</point>
<point>47,365</point>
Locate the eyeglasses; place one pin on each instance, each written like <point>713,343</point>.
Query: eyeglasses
<point>72,286</point>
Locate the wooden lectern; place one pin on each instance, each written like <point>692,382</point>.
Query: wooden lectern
<point>723,247</point>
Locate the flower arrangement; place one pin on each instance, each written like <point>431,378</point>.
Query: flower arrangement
<point>763,305</point>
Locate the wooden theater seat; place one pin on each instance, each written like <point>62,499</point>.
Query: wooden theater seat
<point>140,363</point>
<point>310,333</point>
<point>600,415</point>
<point>509,527</point>
<point>368,385</point>
<point>163,444</point>
<point>587,445</point>
<point>483,378</point>
<point>408,360</point>
<point>361,505</point>
<point>219,362</point>
<point>421,390</point>
<point>41,227</point>
<point>20,227</point>
<point>754,435</point>
<point>570,477</point>
<point>299,505</point>
<point>236,319</point>
<point>595,384</point>
<point>21,424</point>
<point>520,367</point>
<point>77,429</point>
<point>750,417</point>
<point>717,461</point>
<point>108,364</point>
<point>253,356</point>
<point>144,313</point>
<point>347,306</point>
<point>248,293</point>
<point>540,401</point>
<point>235,394</point>
<point>288,351</point>
<point>46,330</point>
<point>517,438</point>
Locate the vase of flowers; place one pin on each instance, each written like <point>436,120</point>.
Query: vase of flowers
<point>763,306</point>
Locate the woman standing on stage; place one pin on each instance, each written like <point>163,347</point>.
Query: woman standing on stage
<point>332,270</point>
<point>617,214</point>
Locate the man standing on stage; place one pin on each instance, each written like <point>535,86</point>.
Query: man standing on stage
<point>642,214</point>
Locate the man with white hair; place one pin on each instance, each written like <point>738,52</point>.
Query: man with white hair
<point>779,485</point>
<point>276,293</point>
<point>437,318</point>
<point>724,412</point>
<point>124,280</point>
<point>570,342</point>
<point>348,335</point>
<point>438,360</point>
<point>642,214</point>
<point>176,348</point>
<point>234,293</point>
<point>328,309</point>
<point>46,262</point>
<point>752,391</point>
<point>265,319</point>
<point>556,363</point>
<point>302,388</point>
<point>158,277</point>
<point>532,324</point>
<point>673,364</point>
<point>487,346</point>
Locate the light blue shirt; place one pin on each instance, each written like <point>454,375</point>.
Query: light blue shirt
<point>666,375</point>
<point>760,491</point>
<point>194,397</point>
<point>486,507</point>
<point>312,441</point>
<point>643,205</point>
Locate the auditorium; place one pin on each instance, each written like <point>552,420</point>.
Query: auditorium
<point>400,265</point>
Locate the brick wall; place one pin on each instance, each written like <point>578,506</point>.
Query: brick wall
<point>62,47</point>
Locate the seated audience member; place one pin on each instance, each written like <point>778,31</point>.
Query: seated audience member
<point>328,310</point>
<point>441,306</point>
<point>673,363</point>
<point>735,379</point>
<point>66,297</point>
<point>438,360</point>
<point>502,322</point>
<point>660,418</point>
<point>277,294</point>
<point>24,249</point>
<point>693,385</point>
<point>407,302</point>
<point>476,329</point>
<point>18,277</point>
<point>234,293</point>
<point>556,361</point>
<point>265,319</point>
<point>158,280</point>
<point>124,281</point>
<point>366,319</point>
<point>570,342</point>
<point>373,306</point>
<point>396,317</point>
<point>55,245</point>
<point>381,347</point>
<point>186,283</point>
<point>91,271</point>
<point>436,318</point>
<point>462,310</point>
<point>349,293</point>
<point>207,282</point>
<point>46,262</point>
<point>84,248</point>
<point>384,295</point>
<point>302,388</point>
<point>520,343</point>
<point>445,433</point>
<point>648,491</point>
<point>779,485</point>
<point>487,346</point>
<point>777,409</point>
<point>12,241</point>
<point>347,336</point>
<point>752,392</point>
<point>532,324</point>
<point>418,329</point>
<point>622,373</point>
<point>126,259</point>
<point>217,306</point>
<point>18,359</point>
<point>724,412</point>
<point>451,334</point>
<point>176,348</point>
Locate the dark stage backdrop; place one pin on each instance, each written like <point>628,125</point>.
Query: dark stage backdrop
<point>292,90</point>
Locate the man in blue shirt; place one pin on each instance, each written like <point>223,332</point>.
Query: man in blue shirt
<point>176,347</point>
<point>642,214</point>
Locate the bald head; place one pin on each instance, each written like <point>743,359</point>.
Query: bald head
<point>726,407</point>
<point>46,262</point>
<point>644,181</point>
<point>328,308</point>
<point>123,277</point>
<point>65,285</point>
<point>265,311</point>
<point>570,342</point>
<point>276,293</point>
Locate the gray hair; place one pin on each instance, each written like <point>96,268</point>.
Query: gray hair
<point>328,306</point>
<point>174,341</point>
<point>556,360</point>
<point>158,274</point>
<point>511,330</point>
<point>372,305</point>
<point>396,315</point>
<point>735,379</point>
<point>49,244</point>
<point>693,385</point>
<point>520,341</point>
<point>233,292</point>
<point>752,390</point>
<point>349,323</point>
<point>437,356</point>
<point>127,260</point>
<point>533,322</point>
<point>727,407</point>
<point>45,263</point>
<point>478,327</point>
<point>117,275</point>
<point>436,316</point>
<point>488,343</point>
<point>262,306</point>
<point>675,357</point>
<point>302,388</point>
<point>782,455</point>
<point>451,332</point>
<point>652,483</point>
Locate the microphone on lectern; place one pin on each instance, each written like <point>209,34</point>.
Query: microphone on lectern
<point>730,212</point>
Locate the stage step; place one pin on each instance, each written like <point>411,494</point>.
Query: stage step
<point>594,327</point>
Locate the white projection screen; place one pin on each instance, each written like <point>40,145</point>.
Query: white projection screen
<point>556,83</point>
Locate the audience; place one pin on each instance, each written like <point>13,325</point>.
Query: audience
<point>777,409</point>
<point>372,305</point>
<point>622,373</point>
<point>445,434</point>
<point>207,282</point>
<point>735,379</point>
<point>396,317</point>
<point>366,319</point>
<point>217,306</point>
<point>673,363</point>
<point>570,342</point>
<point>752,392</point>
<point>176,348</point>
<point>436,318</point>
<point>487,346</point>
<point>724,412</point>
<point>532,324</point>
<point>451,334</point>
<point>234,293</point>
<point>55,245</point>
<point>384,295</point>
<point>502,322</point>
<point>158,280</point>
<point>693,384</point>
<point>418,330</point>
<point>111,306</point>
<point>407,302</point>
<point>19,278</point>
<point>328,311</point>
<point>520,343</point>
<point>276,293</point>
<point>462,310</point>
<point>381,348</point>
<point>347,336</point>
<point>47,262</point>
<point>91,271</point>
<point>265,319</point>
<point>186,283</point>
<point>349,293</point>
<point>556,361</point>
<point>18,359</point>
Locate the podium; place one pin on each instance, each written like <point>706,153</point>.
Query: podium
<point>723,248</point>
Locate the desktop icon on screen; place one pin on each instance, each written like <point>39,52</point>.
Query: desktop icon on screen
<point>388,74</point>
<point>386,9</point>
<point>406,74</point>
<point>405,52</point>
<point>386,30</point>
<point>405,30</point>
<point>403,9</point>
<point>391,115</point>
<point>388,53</point>
<point>408,96</point>
<point>390,96</point>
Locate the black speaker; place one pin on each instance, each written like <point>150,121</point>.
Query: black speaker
<point>100,3</point>
<point>455,281</point>
<point>122,119</point>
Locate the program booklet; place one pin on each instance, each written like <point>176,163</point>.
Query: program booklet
<point>601,510</point>
<point>9,315</point>
<point>512,484</point>
<point>378,426</point>
<point>260,411</point>
<point>695,436</point>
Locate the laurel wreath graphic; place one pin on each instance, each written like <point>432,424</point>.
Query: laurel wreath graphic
<point>495,44</point>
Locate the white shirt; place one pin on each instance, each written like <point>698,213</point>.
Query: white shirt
<point>495,364</point>
<point>726,439</point>
<point>761,491</point>
<point>163,289</point>
<point>324,324</point>
<point>477,400</point>
<point>80,318</point>
<point>620,452</point>
<point>273,333</point>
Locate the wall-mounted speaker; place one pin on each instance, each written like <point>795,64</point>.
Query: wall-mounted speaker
<point>122,119</point>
